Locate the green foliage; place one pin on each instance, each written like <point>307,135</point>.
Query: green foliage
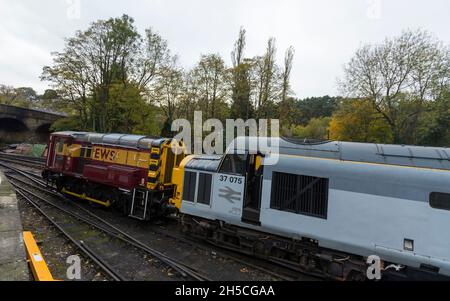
<point>24,97</point>
<point>210,77</point>
<point>357,120</point>
<point>317,128</point>
<point>399,77</point>
<point>434,124</point>
<point>314,107</point>
<point>241,106</point>
<point>166,130</point>
<point>102,75</point>
<point>67,124</point>
<point>109,78</point>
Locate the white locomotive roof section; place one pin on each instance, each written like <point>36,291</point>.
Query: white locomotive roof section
<point>404,155</point>
<point>71,134</point>
<point>287,146</point>
<point>204,162</point>
<point>95,137</point>
<point>123,140</point>
<point>134,141</point>
<point>112,138</point>
<point>414,151</point>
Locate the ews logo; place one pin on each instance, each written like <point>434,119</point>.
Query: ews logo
<point>104,154</point>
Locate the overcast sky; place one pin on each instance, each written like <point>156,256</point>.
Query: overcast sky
<point>325,34</point>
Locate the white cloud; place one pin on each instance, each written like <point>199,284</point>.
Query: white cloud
<point>325,33</point>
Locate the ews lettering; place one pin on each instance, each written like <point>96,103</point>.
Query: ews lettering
<point>104,154</point>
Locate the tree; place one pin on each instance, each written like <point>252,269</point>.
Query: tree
<point>7,94</point>
<point>357,120</point>
<point>50,100</point>
<point>286,74</point>
<point>71,123</point>
<point>211,78</point>
<point>241,85</point>
<point>27,95</point>
<point>317,128</point>
<point>314,107</point>
<point>434,124</point>
<point>266,77</point>
<point>69,75</point>
<point>126,107</point>
<point>287,103</point>
<point>410,69</point>
<point>150,58</point>
<point>96,60</point>
<point>106,49</point>
<point>24,97</point>
<point>166,92</point>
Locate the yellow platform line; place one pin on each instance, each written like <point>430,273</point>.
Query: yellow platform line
<point>35,259</point>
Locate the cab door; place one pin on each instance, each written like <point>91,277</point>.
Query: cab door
<point>58,160</point>
<point>237,186</point>
<point>229,186</point>
<point>251,209</point>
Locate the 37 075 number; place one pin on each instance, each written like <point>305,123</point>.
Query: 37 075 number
<point>230,179</point>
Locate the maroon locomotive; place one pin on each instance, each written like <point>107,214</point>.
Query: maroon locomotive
<point>130,172</point>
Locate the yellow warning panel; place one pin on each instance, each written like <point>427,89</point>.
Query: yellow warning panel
<point>35,259</point>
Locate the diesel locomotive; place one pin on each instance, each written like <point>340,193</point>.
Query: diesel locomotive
<point>321,207</point>
<point>131,173</point>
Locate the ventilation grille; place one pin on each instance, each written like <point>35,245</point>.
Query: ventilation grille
<point>299,194</point>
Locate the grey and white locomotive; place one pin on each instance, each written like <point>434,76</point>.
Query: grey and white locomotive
<point>323,207</point>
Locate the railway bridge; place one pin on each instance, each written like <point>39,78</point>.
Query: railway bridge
<point>21,124</point>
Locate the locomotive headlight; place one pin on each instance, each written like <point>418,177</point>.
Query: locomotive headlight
<point>408,244</point>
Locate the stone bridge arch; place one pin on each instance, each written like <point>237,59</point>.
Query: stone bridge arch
<point>25,125</point>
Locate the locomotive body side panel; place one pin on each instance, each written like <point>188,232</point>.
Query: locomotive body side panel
<point>225,195</point>
<point>371,209</point>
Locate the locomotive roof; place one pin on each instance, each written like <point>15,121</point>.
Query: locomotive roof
<point>204,162</point>
<point>405,155</point>
<point>135,141</point>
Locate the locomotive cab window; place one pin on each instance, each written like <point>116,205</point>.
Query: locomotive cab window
<point>88,152</point>
<point>82,152</point>
<point>234,164</point>
<point>190,181</point>
<point>59,145</point>
<point>85,152</point>
<point>439,200</point>
<point>204,188</point>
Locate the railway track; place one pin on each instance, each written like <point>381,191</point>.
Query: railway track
<point>22,160</point>
<point>76,221</point>
<point>275,271</point>
<point>112,272</point>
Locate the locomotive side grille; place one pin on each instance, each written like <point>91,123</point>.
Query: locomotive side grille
<point>300,194</point>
